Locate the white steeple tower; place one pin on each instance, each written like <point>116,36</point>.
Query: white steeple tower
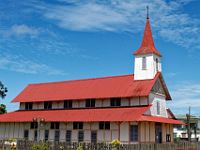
<point>147,57</point>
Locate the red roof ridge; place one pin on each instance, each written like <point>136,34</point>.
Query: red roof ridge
<point>94,78</point>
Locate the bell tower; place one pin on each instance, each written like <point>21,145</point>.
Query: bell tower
<point>147,57</point>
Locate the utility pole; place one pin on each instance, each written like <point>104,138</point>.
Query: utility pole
<point>188,125</point>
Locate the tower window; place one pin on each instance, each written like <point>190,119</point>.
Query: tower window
<point>144,63</point>
<point>156,64</point>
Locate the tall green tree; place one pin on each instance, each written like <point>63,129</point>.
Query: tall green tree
<point>3,91</point>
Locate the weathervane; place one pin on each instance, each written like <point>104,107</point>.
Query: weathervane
<point>147,12</point>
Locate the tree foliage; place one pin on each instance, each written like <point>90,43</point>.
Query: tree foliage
<point>3,109</point>
<point>3,90</point>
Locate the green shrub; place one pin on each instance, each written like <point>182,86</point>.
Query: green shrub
<point>115,144</point>
<point>79,147</point>
<point>40,146</point>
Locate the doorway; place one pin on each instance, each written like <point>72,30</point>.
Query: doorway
<point>158,132</point>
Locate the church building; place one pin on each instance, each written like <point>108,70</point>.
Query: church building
<point>130,108</point>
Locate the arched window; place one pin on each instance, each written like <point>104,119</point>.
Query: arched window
<point>144,63</point>
<point>156,64</point>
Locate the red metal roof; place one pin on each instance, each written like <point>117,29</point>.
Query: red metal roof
<point>106,87</point>
<point>161,120</point>
<point>147,46</point>
<point>87,115</point>
<point>73,115</point>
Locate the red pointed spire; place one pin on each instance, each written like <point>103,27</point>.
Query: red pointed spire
<point>147,46</point>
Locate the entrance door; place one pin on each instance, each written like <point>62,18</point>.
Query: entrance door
<point>158,134</point>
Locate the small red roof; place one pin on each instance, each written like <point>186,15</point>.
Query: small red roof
<point>106,87</point>
<point>147,46</point>
<point>160,120</point>
<point>73,115</point>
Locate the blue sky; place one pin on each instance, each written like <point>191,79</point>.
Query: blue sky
<point>49,40</point>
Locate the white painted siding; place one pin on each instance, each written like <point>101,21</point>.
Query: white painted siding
<point>134,101</point>
<point>143,101</point>
<point>106,102</point>
<point>99,102</point>
<point>75,104</point>
<point>81,103</point>
<point>124,132</point>
<point>124,102</point>
<point>22,106</point>
<point>153,99</point>
<point>150,70</point>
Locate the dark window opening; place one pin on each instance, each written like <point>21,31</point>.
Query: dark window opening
<point>144,63</point>
<point>134,133</point>
<point>68,136</point>
<point>168,138</point>
<point>57,135</point>
<point>35,135</point>
<point>46,135</point>
<point>115,102</point>
<point>90,103</point>
<point>29,106</point>
<point>67,104</point>
<point>156,64</point>
<point>80,136</point>
<point>26,134</point>
<point>77,125</point>
<point>55,125</point>
<point>34,125</point>
<point>104,125</point>
<point>158,108</point>
<point>47,105</point>
<point>93,136</point>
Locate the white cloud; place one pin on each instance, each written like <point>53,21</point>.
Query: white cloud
<point>19,64</point>
<point>21,30</point>
<point>167,18</point>
<point>185,95</point>
<point>24,29</point>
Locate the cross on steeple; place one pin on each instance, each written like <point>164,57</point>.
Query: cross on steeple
<point>147,12</point>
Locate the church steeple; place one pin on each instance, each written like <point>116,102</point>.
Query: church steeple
<point>147,57</point>
<point>147,45</point>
